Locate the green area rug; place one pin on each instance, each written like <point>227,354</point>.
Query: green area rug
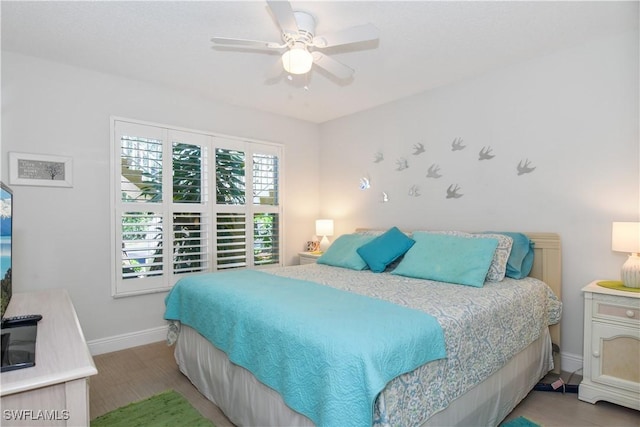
<point>167,409</point>
<point>520,422</point>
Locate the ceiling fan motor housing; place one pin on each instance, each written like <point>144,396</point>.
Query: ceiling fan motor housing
<point>306,29</point>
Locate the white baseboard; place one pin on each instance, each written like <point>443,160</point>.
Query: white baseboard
<point>570,362</point>
<point>132,339</point>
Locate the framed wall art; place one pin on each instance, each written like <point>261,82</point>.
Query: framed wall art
<point>40,169</point>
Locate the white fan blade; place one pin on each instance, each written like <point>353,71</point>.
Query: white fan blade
<point>223,41</point>
<point>336,68</point>
<point>284,15</point>
<point>360,33</point>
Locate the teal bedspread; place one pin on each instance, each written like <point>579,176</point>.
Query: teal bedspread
<point>328,352</point>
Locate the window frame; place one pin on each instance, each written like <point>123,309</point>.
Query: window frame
<point>207,206</point>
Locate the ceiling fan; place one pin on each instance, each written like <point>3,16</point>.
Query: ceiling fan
<point>300,43</point>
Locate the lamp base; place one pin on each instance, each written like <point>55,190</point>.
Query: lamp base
<point>324,244</point>
<point>630,273</point>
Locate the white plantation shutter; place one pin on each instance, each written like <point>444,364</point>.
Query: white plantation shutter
<point>266,239</point>
<point>231,240</point>
<point>180,205</point>
<point>189,207</point>
<point>190,242</point>
<point>240,243</point>
<point>265,179</point>
<point>139,208</point>
<point>230,177</point>
<point>141,168</point>
<point>189,171</point>
<point>142,245</point>
<point>266,205</point>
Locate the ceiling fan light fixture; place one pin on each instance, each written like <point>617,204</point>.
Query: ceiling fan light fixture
<point>297,60</point>
<point>299,35</point>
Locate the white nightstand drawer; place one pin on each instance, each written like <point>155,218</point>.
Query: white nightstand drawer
<point>308,257</point>
<point>608,307</point>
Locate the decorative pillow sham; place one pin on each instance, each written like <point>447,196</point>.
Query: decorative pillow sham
<point>520,259</point>
<point>498,267</point>
<point>448,258</point>
<point>342,252</point>
<point>384,249</point>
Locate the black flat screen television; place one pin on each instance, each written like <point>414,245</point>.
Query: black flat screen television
<point>18,346</point>
<point>6,231</point>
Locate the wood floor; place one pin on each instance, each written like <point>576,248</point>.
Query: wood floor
<point>137,373</point>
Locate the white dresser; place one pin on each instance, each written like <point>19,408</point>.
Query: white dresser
<point>611,346</point>
<point>55,392</point>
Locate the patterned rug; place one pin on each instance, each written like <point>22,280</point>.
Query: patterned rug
<point>520,422</point>
<point>167,409</point>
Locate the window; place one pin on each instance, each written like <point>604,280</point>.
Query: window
<point>189,202</point>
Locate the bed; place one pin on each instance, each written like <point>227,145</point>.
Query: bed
<point>492,359</point>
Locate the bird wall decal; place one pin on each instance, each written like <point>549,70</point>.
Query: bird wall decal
<point>452,192</point>
<point>364,183</point>
<point>434,171</point>
<point>418,149</point>
<point>485,154</point>
<point>402,164</point>
<point>524,167</point>
<point>456,145</point>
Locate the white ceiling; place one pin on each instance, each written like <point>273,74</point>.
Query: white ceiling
<point>423,45</point>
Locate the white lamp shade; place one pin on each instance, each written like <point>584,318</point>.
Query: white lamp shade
<point>324,227</point>
<point>297,60</point>
<point>625,237</point>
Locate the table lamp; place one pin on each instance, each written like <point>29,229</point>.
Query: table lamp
<point>324,228</point>
<point>625,237</point>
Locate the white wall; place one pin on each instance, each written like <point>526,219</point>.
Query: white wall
<point>573,114</point>
<point>62,235</point>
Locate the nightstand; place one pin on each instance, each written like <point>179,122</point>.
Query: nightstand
<point>309,257</point>
<point>611,369</point>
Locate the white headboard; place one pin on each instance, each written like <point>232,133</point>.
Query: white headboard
<point>547,266</point>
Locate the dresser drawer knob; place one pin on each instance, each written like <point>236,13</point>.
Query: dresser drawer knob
<point>630,313</point>
<point>596,354</point>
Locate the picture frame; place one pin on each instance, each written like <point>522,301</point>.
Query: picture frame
<point>312,246</point>
<point>40,170</point>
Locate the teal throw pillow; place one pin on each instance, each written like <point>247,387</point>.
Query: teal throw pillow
<point>520,259</point>
<point>343,252</point>
<point>448,258</point>
<point>385,249</point>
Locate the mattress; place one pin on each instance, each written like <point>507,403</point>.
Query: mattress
<point>485,330</point>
